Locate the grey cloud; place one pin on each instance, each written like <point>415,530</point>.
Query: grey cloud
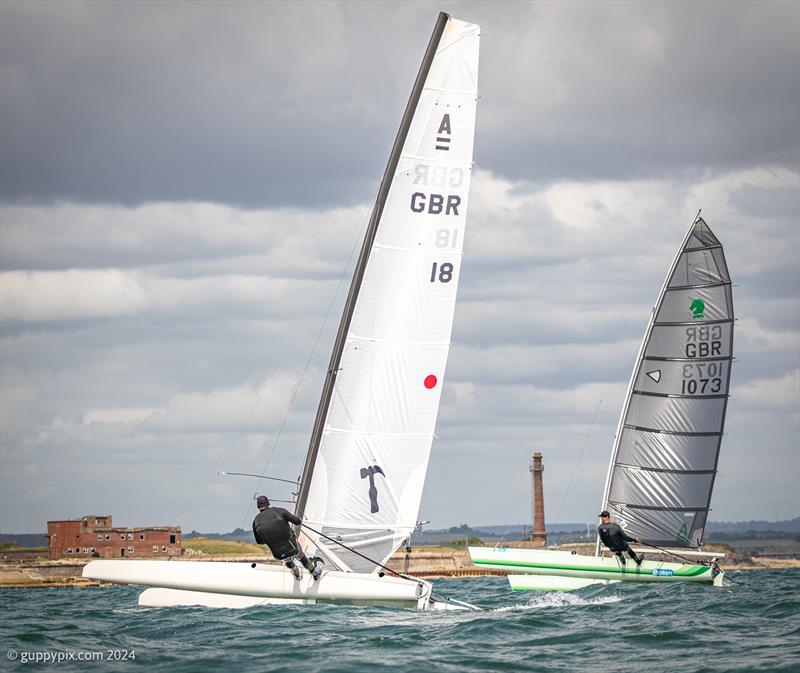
<point>777,202</point>
<point>258,104</point>
<point>547,325</point>
<point>642,89</point>
<point>201,238</point>
<point>234,103</point>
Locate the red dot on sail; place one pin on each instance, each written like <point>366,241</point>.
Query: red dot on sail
<point>430,381</point>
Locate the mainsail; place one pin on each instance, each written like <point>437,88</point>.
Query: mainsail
<point>667,445</point>
<point>366,464</point>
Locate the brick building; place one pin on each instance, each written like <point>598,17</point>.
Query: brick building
<point>95,536</point>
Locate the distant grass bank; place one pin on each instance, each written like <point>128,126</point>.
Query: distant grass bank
<point>14,548</point>
<point>222,547</point>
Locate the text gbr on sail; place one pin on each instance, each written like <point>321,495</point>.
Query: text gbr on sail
<point>703,341</point>
<point>435,203</point>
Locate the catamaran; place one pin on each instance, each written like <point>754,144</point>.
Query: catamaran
<point>666,449</point>
<point>365,468</point>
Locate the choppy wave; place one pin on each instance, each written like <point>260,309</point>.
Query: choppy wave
<point>752,626</point>
<point>555,599</point>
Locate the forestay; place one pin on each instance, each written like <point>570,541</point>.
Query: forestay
<point>667,446</point>
<point>368,457</point>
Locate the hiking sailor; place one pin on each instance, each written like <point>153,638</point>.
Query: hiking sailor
<point>616,539</point>
<point>271,527</point>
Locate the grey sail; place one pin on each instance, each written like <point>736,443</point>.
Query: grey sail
<point>667,446</point>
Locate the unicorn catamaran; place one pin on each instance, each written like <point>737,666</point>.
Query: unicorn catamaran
<point>365,468</point>
<point>666,449</point>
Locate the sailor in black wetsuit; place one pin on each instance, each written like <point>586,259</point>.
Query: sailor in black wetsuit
<point>271,527</point>
<point>616,539</point>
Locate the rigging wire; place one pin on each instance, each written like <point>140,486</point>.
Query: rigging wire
<point>711,564</point>
<point>206,491</point>
<point>386,568</point>
<point>578,462</point>
<point>260,476</point>
<point>299,384</point>
<point>676,555</point>
<point>503,536</point>
<point>225,458</point>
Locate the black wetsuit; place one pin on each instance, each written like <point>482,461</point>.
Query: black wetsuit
<point>616,539</point>
<point>271,527</point>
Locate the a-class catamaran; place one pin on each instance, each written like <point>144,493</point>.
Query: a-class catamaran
<point>365,468</point>
<point>666,449</point>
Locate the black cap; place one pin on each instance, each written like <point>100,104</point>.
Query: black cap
<point>604,513</point>
<point>262,501</point>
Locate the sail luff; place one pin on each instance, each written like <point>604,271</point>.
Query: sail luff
<point>637,369</point>
<point>361,265</point>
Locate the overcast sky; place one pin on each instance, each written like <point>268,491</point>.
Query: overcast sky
<point>182,186</point>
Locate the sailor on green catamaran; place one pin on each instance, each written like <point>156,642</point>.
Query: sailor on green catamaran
<point>271,527</point>
<point>616,539</point>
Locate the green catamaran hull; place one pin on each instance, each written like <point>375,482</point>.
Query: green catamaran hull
<point>568,565</point>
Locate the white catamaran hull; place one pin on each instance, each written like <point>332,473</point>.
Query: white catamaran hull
<point>168,598</point>
<point>237,585</point>
<point>566,564</point>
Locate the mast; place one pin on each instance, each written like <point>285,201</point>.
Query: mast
<point>361,264</point>
<point>636,369</point>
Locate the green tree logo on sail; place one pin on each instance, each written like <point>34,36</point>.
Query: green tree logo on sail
<point>697,308</point>
<point>683,533</point>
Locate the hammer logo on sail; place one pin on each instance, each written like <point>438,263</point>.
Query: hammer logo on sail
<point>697,307</point>
<point>369,473</point>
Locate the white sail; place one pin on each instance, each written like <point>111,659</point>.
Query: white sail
<point>366,466</point>
<point>667,445</point>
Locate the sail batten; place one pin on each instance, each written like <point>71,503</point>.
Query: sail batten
<point>663,469</point>
<point>369,451</point>
<point>657,508</point>
<point>673,432</point>
<point>648,393</point>
<point>666,450</point>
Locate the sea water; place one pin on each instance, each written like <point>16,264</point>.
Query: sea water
<point>753,625</point>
